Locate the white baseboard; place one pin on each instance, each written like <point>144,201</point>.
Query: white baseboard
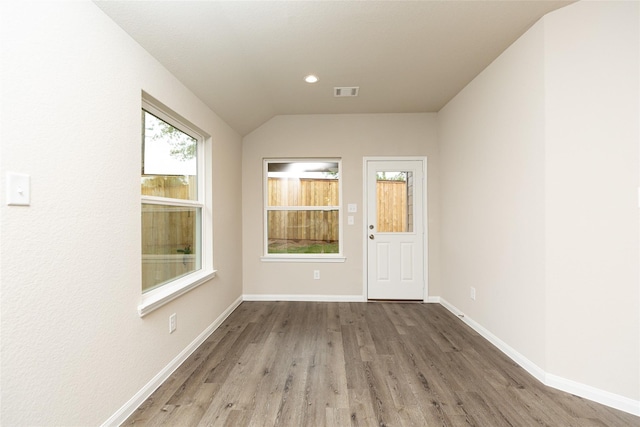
<point>583,390</point>
<point>521,360</point>
<point>129,408</point>
<point>314,298</point>
<point>594,394</point>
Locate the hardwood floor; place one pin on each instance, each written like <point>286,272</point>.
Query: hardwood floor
<point>358,364</point>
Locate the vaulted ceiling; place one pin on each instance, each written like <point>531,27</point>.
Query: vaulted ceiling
<point>247,59</point>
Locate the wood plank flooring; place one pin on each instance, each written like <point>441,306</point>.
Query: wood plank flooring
<point>358,364</point>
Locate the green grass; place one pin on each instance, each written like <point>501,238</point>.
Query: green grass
<point>310,248</point>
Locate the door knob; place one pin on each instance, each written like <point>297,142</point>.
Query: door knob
<point>371,227</point>
<point>371,236</point>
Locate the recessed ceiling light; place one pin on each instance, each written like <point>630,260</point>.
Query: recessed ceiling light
<point>311,78</point>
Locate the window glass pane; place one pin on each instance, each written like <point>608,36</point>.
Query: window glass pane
<point>303,232</point>
<point>170,243</point>
<point>303,184</point>
<point>169,160</point>
<point>394,202</point>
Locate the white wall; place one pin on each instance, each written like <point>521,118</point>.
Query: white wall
<point>592,172</point>
<point>349,137</point>
<point>491,139</point>
<point>539,161</point>
<point>74,349</point>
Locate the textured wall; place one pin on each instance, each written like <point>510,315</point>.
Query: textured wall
<point>74,349</point>
<point>592,76</point>
<point>491,138</point>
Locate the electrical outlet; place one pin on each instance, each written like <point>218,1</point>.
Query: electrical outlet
<point>316,274</point>
<point>473,293</point>
<point>173,320</point>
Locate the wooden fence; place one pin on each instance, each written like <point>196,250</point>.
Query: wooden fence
<point>392,206</point>
<point>175,187</point>
<point>303,192</point>
<point>166,230</point>
<point>318,225</point>
<point>168,239</point>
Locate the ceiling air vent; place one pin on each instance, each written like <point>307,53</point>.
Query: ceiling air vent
<point>341,92</point>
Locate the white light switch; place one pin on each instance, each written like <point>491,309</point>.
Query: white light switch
<point>18,191</point>
<point>350,219</point>
<point>352,207</point>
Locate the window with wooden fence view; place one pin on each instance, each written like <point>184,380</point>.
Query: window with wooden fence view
<point>171,203</point>
<point>303,207</point>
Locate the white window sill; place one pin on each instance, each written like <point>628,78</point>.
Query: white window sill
<point>155,299</point>
<point>301,258</point>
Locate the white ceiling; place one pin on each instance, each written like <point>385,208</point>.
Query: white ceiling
<point>247,60</point>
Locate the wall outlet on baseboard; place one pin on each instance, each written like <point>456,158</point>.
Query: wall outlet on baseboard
<point>316,274</point>
<point>173,320</point>
<point>473,293</point>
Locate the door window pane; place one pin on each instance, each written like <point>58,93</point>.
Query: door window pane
<point>394,202</point>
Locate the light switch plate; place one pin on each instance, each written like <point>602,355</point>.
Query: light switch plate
<point>352,207</point>
<point>18,189</point>
<point>350,219</point>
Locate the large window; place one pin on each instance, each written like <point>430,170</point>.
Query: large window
<point>302,217</point>
<point>173,207</point>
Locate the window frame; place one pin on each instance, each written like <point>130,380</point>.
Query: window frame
<point>283,257</point>
<point>161,295</point>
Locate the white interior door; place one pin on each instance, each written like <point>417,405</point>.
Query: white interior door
<point>395,229</point>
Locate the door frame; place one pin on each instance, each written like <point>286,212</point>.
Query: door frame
<point>365,215</point>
